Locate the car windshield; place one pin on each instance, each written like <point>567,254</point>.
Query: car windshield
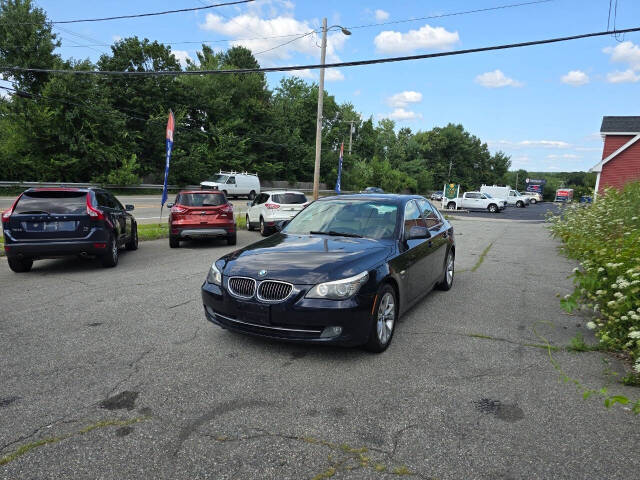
<point>201,199</point>
<point>371,219</point>
<point>289,198</point>
<point>219,178</point>
<point>55,202</point>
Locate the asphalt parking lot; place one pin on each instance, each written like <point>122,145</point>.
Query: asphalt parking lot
<point>115,374</point>
<point>536,212</point>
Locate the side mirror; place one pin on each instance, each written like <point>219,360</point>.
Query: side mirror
<point>417,233</point>
<point>129,208</point>
<point>170,205</point>
<point>280,225</point>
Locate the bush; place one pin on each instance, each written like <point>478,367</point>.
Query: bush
<point>605,238</point>
<point>126,174</point>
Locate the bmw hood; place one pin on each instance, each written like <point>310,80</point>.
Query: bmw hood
<point>305,259</point>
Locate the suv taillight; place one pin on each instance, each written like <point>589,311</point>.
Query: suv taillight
<point>7,215</point>
<point>178,210</point>
<point>94,213</point>
<point>271,206</point>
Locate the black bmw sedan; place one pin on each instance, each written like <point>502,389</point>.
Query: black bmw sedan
<point>342,271</point>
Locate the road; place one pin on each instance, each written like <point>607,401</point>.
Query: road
<point>147,207</point>
<point>115,374</point>
<point>535,212</point>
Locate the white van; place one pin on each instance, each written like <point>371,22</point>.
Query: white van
<point>234,184</point>
<point>513,197</point>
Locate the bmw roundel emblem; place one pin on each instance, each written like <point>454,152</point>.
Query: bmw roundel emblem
<point>262,273</point>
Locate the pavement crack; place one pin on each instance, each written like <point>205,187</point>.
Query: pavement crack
<point>190,339</point>
<point>134,365</point>
<point>482,256</point>
<point>181,304</point>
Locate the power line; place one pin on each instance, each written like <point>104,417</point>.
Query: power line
<point>453,14</point>
<point>138,15</point>
<point>326,65</point>
<point>286,43</point>
<point>224,40</point>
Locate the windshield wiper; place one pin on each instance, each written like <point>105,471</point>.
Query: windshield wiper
<point>337,234</point>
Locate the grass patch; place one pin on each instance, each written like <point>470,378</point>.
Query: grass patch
<point>23,449</point>
<point>578,344</point>
<point>241,222</point>
<point>153,231</point>
<point>481,259</point>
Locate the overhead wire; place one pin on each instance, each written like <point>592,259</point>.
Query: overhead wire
<point>326,65</point>
<point>138,15</point>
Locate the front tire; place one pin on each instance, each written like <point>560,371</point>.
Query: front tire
<point>520,204</point>
<point>533,201</point>
<point>252,195</point>
<point>451,205</point>
<point>232,239</point>
<point>447,276</point>
<point>132,244</point>
<point>110,259</point>
<point>383,321</point>
<point>264,230</point>
<point>493,208</point>
<point>20,265</point>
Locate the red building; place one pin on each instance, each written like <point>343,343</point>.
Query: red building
<point>621,155</point>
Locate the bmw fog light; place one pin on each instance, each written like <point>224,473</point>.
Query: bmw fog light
<point>329,332</point>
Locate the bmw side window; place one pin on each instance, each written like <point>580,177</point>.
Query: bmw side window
<point>429,214</point>
<point>412,216</point>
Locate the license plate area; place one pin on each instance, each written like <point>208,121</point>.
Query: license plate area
<point>48,226</point>
<point>254,313</point>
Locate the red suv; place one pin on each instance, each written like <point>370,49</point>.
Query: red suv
<point>201,214</point>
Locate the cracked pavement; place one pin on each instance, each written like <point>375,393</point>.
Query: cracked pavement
<point>464,391</point>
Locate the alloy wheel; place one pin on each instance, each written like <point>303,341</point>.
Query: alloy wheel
<point>386,318</point>
<point>450,269</point>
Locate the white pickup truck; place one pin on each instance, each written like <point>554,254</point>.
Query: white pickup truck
<point>477,201</point>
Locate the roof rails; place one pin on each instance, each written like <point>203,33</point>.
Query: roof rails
<point>237,173</point>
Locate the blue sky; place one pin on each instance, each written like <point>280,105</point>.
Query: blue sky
<point>542,105</point>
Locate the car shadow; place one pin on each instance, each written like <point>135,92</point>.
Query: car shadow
<point>77,264</point>
<point>199,244</point>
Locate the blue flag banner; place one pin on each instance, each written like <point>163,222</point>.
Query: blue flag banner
<point>170,127</point>
<point>340,168</point>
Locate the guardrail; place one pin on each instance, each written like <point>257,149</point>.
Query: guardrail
<point>142,186</point>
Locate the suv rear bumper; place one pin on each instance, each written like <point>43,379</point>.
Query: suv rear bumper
<point>55,249</point>
<point>209,231</point>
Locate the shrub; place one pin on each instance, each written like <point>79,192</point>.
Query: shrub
<point>605,238</point>
<point>126,174</point>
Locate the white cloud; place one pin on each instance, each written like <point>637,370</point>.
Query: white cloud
<point>528,144</point>
<point>333,75</point>
<point>575,78</point>
<point>357,92</point>
<point>243,26</point>
<point>427,37</point>
<point>568,156</point>
<point>625,52</point>
<point>401,115</point>
<point>497,79</point>
<point>381,15</point>
<point>306,74</point>
<point>116,38</point>
<point>628,76</point>
<point>403,99</point>
<point>182,56</point>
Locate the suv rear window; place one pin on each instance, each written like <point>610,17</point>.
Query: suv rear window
<point>289,198</point>
<point>201,199</point>
<point>55,202</point>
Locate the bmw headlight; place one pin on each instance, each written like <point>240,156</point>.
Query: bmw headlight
<point>214,276</point>
<point>340,289</point>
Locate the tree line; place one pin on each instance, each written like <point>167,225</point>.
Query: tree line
<point>108,129</point>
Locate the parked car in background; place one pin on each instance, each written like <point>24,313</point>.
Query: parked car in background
<point>586,199</point>
<point>58,222</point>
<point>234,184</point>
<point>437,196</point>
<point>477,201</point>
<point>513,197</point>
<point>372,190</point>
<point>342,271</point>
<point>201,214</point>
<point>534,197</point>
<point>272,207</point>
<point>564,195</point>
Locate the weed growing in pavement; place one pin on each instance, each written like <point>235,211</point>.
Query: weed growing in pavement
<point>578,345</point>
<point>605,238</point>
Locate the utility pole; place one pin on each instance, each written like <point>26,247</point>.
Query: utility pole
<point>351,127</point>
<point>323,54</point>
<point>517,173</point>
<point>316,168</point>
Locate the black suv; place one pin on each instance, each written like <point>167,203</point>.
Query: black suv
<point>57,222</point>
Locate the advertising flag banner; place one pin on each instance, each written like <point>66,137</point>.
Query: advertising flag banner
<point>171,123</point>
<point>340,168</point>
